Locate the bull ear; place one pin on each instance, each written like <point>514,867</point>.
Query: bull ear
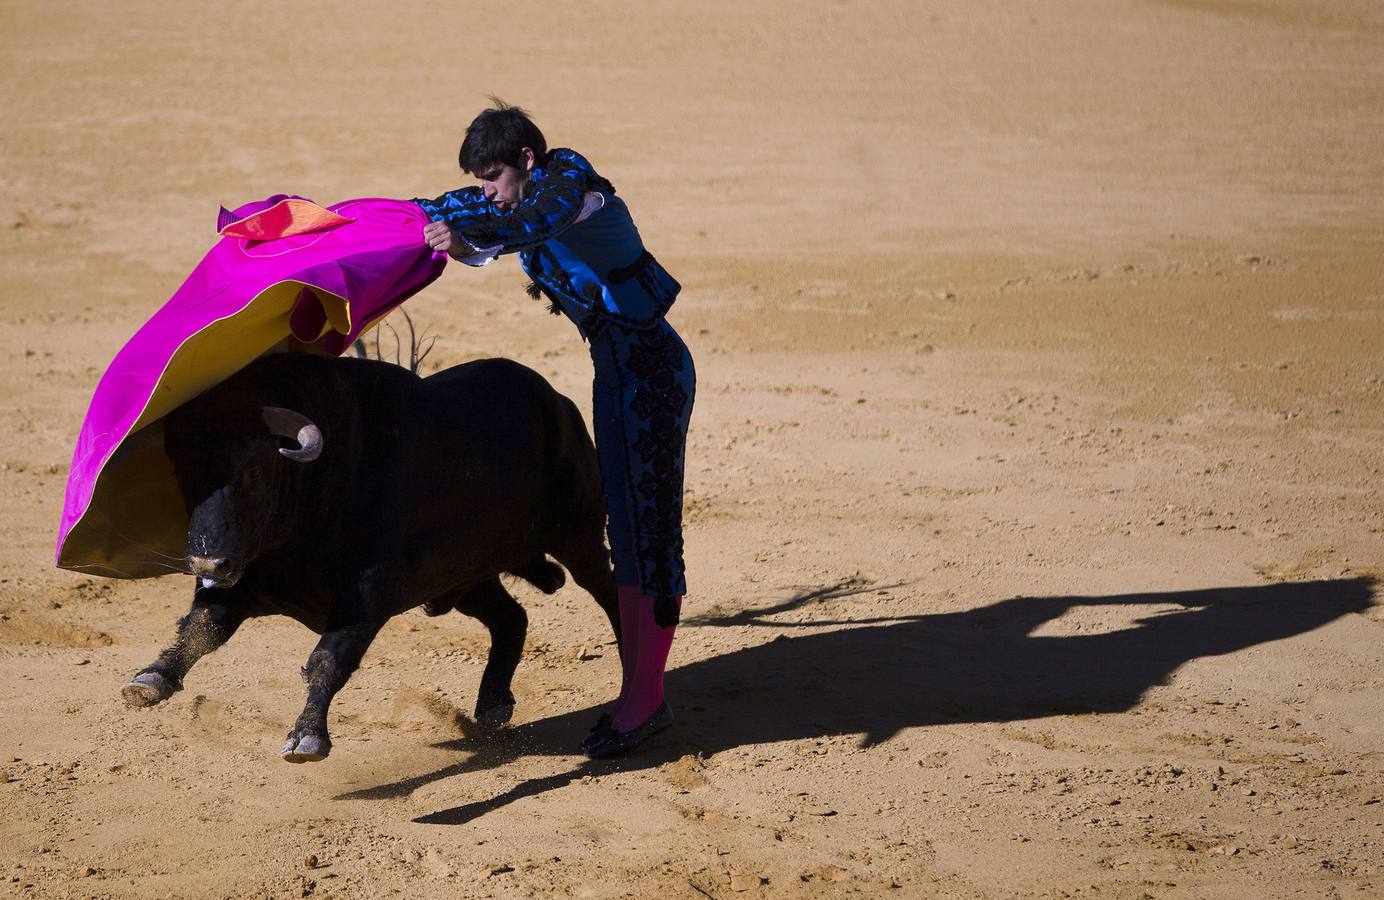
<point>295,425</point>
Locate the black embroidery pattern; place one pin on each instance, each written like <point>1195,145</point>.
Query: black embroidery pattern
<point>621,274</point>
<point>536,267</point>
<point>659,284</point>
<point>661,408</point>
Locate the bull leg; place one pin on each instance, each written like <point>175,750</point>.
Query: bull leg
<point>336,656</point>
<point>589,563</point>
<point>590,568</point>
<point>505,619</point>
<point>214,617</point>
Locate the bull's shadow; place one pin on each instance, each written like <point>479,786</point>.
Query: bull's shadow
<point>875,677</point>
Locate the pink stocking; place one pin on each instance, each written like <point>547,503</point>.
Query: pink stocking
<point>646,654</point>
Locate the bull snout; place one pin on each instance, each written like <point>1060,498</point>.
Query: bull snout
<point>215,571</point>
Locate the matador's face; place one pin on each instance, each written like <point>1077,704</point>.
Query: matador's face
<point>505,184</point>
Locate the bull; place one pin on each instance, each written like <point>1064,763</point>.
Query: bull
<point>342,492</point>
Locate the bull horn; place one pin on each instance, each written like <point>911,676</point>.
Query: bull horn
<point>295,425</point>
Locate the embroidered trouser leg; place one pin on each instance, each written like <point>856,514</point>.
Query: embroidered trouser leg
<point>644,387</point>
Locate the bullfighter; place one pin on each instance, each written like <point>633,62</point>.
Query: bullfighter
<point>578,244</point>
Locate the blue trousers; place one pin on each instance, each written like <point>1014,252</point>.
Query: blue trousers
<point>642,403</point>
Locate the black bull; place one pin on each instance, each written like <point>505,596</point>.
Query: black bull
<point>343,492</point>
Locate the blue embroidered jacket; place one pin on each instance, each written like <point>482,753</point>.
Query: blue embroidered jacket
<point>595,270</point>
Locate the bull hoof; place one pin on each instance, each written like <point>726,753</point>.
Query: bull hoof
<point>495,716</point>
<point>494,706</point>
<point>307,748</point>
<point>147,688</point>
<point>438,608</point>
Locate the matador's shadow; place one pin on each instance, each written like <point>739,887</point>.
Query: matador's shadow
<point>875,677</point>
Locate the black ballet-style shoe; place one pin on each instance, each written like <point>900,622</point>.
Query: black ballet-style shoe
<point>609,742</point>
<point>597,731</point>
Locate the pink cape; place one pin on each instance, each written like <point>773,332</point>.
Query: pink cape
<point>312,282</point>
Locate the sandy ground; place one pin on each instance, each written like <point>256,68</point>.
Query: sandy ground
<point>1033,506</point>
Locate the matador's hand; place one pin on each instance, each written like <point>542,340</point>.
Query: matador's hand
<point>438,236</point>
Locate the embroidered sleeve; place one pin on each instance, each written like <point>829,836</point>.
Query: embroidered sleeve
<point>460,201</point>
<point>554,201</point>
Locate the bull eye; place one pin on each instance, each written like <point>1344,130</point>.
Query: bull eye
<point>255,471</point>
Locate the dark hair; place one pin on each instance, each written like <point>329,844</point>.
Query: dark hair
<point>499,135</point>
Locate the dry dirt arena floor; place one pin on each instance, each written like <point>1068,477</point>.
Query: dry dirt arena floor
<point>1033,505</point>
